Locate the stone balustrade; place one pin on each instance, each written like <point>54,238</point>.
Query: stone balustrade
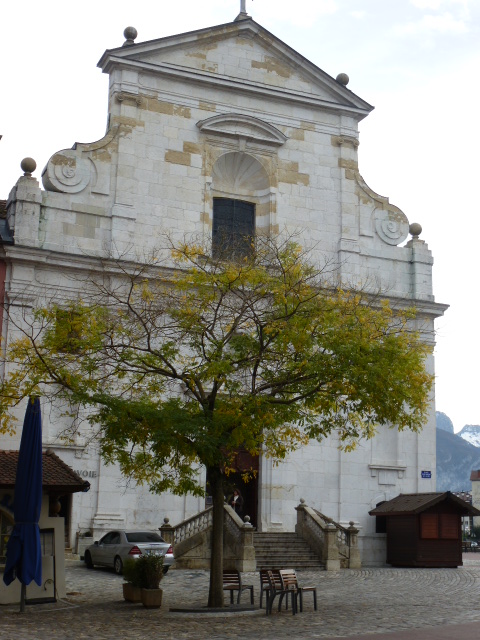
<point>337,546</point>
<point>191,540</point>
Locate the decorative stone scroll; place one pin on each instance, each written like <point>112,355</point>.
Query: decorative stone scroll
<point>391,226</point>
<point>338,141</point>
<point>125,96</point>
<point>66,172</point>
<point>389,222</point>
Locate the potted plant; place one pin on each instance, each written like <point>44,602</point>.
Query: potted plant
<point>132,591</point>
<point>150,570</point>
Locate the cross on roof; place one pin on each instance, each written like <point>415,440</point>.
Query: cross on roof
<point>243,11</point>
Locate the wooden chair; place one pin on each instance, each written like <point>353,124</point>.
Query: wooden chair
<point>276,588</point>
<point>232,581</point>
<point>290,581</point>
<point>264,586</point>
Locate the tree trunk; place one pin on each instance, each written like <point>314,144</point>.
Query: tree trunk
<point>215,595</point>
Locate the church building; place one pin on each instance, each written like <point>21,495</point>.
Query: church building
<point>225,127</point>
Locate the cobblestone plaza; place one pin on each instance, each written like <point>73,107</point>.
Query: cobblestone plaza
<point>351,603</point>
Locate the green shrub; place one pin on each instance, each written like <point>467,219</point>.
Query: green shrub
<point>131,572</point>
<point>150,571</point>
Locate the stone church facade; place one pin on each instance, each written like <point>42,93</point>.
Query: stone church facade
<point>220,115</point>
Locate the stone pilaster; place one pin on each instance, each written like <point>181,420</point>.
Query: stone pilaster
<point>23,211</point>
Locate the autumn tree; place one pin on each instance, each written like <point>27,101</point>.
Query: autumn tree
<point>181,363</point>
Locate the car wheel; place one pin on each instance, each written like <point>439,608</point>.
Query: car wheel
<point>118,565</point>
<point>88,560</point>
<point>165,570</point>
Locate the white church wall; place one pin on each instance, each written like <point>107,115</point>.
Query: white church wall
<point>294,131</point>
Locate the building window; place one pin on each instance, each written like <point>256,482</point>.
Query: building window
<point>68,330</point>
<point>6,528</point>
<point>233,228</point>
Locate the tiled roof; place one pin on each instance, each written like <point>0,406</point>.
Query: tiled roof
<point>413,503</point>
<point>57,476</point>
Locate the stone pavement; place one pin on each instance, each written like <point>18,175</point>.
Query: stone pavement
<point>375,603</point>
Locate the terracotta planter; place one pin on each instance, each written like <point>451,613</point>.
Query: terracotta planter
<point>152,598</point>
<point>131,593</point>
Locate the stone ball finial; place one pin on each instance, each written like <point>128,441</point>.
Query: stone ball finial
<point>342,78</point>
<point>415,229</point>
<point>166,520</point>
<point>246,519</point>
<point>130,34</point>
<point>28,166</point>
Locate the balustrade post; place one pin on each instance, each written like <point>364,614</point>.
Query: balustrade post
<point>355,559</point>
<point>301,515</point>
<point>331,557</point>
<point>246,559</point>
<point>167,531</point>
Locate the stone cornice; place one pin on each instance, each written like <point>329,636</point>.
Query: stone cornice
<point>77,262</point>
<point>196,76</point>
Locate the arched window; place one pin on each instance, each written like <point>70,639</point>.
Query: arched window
<point>233,227</point>
<point>241,203</point>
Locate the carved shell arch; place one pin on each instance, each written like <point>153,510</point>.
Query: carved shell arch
<point>240,174</point>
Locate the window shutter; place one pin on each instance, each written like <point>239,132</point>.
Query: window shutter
<point>429,526</point>
<point>449,526</point>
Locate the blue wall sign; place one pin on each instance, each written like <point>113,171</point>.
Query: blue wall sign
<point>426,474</point>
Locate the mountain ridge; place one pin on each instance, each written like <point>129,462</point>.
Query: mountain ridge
<point>457,454</point>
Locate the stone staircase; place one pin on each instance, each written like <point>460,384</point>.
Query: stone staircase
<point>284,550</point>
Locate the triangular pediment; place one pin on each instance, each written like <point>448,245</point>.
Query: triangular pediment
<point>237,125</point>
<point>242,54</point>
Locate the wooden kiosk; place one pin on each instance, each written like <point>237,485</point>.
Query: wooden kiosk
<point>423,529</point>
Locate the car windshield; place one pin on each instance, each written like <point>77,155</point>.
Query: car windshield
<point>143,536</point>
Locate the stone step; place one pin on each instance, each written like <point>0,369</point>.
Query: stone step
<point>276,550</point>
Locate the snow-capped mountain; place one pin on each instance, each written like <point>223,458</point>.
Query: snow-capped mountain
<point>471,433</point>
<point>456,458</point>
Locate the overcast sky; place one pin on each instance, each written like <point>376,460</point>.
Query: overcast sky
<point>416,61</point>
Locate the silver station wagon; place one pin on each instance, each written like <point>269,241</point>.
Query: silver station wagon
<point>116,546</point>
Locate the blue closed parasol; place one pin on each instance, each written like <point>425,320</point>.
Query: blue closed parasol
<point>23,552</point>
